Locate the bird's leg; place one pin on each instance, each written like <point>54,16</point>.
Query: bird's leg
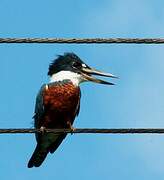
<point>71,127</point>
<point>42,129</point>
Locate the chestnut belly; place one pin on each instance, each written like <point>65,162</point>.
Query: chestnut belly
<point>60,105</point>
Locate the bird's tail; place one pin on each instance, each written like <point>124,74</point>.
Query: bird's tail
<point>38,156</point>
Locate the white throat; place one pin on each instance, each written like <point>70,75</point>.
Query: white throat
<point>75,78</point>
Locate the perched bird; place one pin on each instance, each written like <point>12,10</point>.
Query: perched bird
<point>58,102</point>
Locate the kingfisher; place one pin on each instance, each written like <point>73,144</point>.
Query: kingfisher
<point>58,102</point>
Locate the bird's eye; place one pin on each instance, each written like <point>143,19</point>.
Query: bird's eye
<point>76,65</point>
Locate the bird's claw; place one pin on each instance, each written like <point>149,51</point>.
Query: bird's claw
<point>72,130</point>
<point>71,127</point>
<point>42,129</point>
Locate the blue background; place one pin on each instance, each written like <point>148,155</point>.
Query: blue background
<point>136,101</point>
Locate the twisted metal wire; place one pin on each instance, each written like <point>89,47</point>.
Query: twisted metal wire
<point>89,131</point>
<point>84,40</point>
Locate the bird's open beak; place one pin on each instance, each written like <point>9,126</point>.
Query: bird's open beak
<point>87,72</point>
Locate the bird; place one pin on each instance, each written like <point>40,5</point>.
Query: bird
<point>58,102</point>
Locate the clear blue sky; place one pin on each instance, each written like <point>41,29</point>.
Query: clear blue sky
<point>136,101</point>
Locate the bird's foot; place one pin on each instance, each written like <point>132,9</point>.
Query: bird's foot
<point>72,130</point>
<point>71,127</point>
<point>42,129</point>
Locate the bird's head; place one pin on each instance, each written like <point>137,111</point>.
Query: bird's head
<point>70,66</point>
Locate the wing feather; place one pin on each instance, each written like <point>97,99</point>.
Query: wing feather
<point>47,142</point>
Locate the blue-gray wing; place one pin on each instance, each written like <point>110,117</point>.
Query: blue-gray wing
<point>39,107</point>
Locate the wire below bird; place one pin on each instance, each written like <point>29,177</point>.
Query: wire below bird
<point>87,131</point>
